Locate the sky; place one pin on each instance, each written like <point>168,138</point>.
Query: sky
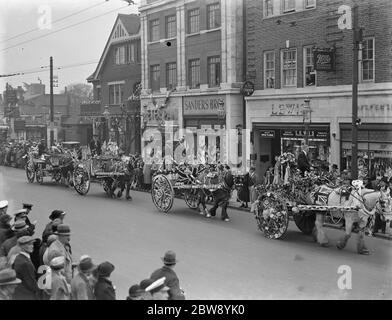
<point>78,48</point>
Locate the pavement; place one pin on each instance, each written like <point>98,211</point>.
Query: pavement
<point>217,260</point>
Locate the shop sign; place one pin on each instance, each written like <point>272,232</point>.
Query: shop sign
<point>248,88</point>
<point>287,109</point>
<point>374,110</point>
<point>324,59</point>
<point>210,105</point>
<point>318,134</point>
<point>267,133</point>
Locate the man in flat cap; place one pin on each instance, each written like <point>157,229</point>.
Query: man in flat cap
<point>60,289</point>
<point>135,292</point>
<point>62,246</point>
<point>25,271</point>
<point>171,279</point>
<point>159,290</point>
<point>3,207</point>
<point>81,288</point>
<point>8,283</point>
<point>104,289</point>
<point>19,229</point>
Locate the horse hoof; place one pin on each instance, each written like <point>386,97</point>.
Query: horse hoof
<point>364,251</point>
<point>325,245</point>
<point>339,246</point>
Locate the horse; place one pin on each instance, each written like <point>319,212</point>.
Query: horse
<point>360,204</point>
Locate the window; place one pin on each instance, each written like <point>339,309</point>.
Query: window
<point>116,93</point>
<point>171,31</point>
<point>131,52</point>
<point>155,77</point>
<point>119,55</point>
<point>193,21</point>
<point>99,93</point>
<point>154,30</point>
<point>194,73</point>
<point>171,75</point>
<point>213,14</point>
<point>268,8</point>
<point>368,59</point>
<point>289,68</point>
<point>309,72</point>
<point>269,70</point>
<point>310,3</point>
<point>214,71</point>
<point>288,5</point>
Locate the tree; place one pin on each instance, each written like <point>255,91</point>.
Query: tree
<point>80,92</point>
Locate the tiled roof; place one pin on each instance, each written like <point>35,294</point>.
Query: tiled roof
<point>131,22</point>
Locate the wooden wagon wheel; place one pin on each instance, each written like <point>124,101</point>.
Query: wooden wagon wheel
<point>39,174</point>
<point>81,180</point>
<point>30,171</point>
<point>305,221</point>
<point>191,197</point>
<point>272,218</point>
<point>162,193</point>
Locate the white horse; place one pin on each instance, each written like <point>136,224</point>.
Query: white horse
<point>365,201</point>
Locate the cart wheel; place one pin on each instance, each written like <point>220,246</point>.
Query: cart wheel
<point>162,193</point>
<point>57,176</point>
<point>81,181</point>
<point>191,198</point>
<point>39,175</point>
<point>305,221</point>
<point>272,220</point>
<point>30,171</point>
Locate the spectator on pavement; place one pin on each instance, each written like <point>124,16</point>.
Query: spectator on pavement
<point>146,295</point>
<point>81,288</point>
<point>44,250</point>
<point>8,284</point>
<point>62,246</point>
<point>5,228</point>
<point>3,207</point>
<point>135,292</point>
<point>19,229</point>
<point>56,214</point>
<point>104,289</point>
<point>171,279</point>
<point>60,289</point>
<point>243,194</point>
<point>25,271</point>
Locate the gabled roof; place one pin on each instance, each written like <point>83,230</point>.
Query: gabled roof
<point>129,27</point>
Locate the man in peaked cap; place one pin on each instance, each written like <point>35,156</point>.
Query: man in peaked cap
<point>135,292</point>
<point>25,271</point>
<point>146,295</point>
<point>104,289</point>
<point>5,228</point>
<point>171,279</point>
<point>8,283</point>
<point>19,229</point>
<point>81,288</point>
<point>159,290</point>
<point>63,246</point>
<point>3,207</point>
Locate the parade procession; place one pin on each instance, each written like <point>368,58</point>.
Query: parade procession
<point>194,159</point>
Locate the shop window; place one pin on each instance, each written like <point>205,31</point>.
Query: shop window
<point>116,93</point>
<point>268,8</point>
<point>194,73</point>
<point>154,30</point>
<point>288,6</point>
<point>214,17</point>
<point>171,28</point>
<point>368,59</point>
<point>214,71</point>
<point>309,72</point>
<point>171,75</point>
<point>193,21</point>
<point>289,68</point>
<point>269,69</point>
<point>155,71</point>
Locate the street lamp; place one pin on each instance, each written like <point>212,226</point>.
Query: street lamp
<point>307,118</point>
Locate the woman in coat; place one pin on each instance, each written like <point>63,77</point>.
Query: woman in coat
<point>243,194</point>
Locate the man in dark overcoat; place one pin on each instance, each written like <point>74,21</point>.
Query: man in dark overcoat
<point>303,159</point>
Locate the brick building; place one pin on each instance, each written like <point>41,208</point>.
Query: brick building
<point>192,69</point>
<point>115,83</point>
<point>281,37</point>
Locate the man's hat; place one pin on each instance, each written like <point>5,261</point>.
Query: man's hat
<point>145,283</point>
<point>86,264</point>
<point>169,258</point>
<point>105,269</point>
<point>56,214</point>
<point>135,291</point>
<point>57,262</point>
<point>25,240</point>
<point>19,225</point>
<point>8,276</point>
<point>3,204</point>
<point>27,206</point>
<point>21,212</point>
<point>5,218</point>
<point>63,230</point>
<point>158,285</point>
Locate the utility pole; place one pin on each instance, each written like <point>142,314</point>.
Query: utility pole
<point>357,38</point>
<point>51,104</point>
